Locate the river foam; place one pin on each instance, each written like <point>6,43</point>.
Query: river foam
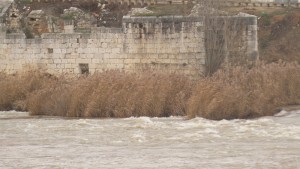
<point>267,142</point>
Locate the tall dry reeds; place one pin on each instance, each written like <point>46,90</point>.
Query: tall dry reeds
<point>15,88</point>
<point>232,92</point>
<point>239,92</point>
<point>115,94</point>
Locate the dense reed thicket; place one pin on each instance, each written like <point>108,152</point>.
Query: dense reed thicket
<point>114,94</point>
<point>14,89</point>
<point>232,92</point>
<point>239,92</point>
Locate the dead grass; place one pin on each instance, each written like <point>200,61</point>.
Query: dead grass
<point>232,92</point>
<point>15,88</point>
<point>115,94</point>
<point>238,92</point>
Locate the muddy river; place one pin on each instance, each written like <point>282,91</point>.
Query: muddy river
<point>34,143</point>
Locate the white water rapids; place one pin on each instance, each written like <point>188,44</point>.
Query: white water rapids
<point>34,143</point>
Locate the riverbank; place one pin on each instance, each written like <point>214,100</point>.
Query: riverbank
<point>231,93</point>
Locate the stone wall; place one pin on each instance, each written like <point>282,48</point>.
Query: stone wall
<point>165,44</point>
<point>260,3</point>
<point>229,3</point>
<point>122,2</point>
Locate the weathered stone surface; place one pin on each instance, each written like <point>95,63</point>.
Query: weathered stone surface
<point>139,11</point>
<point>166,44</point>
<point>201,10</point>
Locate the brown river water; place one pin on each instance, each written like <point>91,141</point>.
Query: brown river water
<point>54,143</point>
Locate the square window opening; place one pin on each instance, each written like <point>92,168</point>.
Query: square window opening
<point>84,68</point>
<point>50,50</point>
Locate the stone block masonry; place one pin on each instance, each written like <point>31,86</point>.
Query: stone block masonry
<point>121,2</point>
<point>229,3</point>
<point>165,44</point>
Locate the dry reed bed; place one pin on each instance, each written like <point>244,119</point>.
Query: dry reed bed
<point>233,92</point>
<point>113,94</point>
<point>239,92</point>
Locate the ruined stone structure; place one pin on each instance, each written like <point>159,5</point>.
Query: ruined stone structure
<point>166,44</point>
<point>243,3</point>
<point>260,3</point>
<point>122,2</point>
<point>149,2</point>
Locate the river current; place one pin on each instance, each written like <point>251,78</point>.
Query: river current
<point>54,143</point>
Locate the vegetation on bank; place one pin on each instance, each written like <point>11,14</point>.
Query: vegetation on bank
<point>233,92</point>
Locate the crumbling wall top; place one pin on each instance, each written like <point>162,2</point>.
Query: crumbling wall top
<point>4,6</point>
<point>164,19</point>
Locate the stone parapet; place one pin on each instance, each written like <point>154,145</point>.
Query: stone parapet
<point>259,3</point>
